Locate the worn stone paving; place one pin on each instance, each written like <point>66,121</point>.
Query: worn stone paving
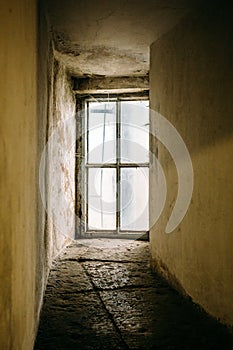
<point>101,294</point>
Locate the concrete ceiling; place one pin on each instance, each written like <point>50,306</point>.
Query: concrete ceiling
<point>111,38</point>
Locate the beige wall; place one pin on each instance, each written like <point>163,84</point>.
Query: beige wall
<point>35,95</point>
<point>191,85</point>
<point>18,176</point>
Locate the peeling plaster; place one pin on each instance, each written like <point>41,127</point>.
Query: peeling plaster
<point>111,38</point>
<point>99,60</point>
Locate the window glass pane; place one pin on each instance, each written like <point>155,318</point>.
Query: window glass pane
<point>134,211</point>
<point>135,131</point>
<point>101,199</point>
<point>102,132</point>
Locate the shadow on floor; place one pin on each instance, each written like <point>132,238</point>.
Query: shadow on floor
<point>102,295</point>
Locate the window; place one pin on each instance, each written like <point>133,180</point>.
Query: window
<point>116,165</point>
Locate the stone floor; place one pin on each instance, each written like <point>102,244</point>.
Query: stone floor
<point>102,295</point>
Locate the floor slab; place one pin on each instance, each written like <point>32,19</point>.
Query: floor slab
<point>101,294</point>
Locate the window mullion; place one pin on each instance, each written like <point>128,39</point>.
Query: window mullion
<point>86,162</point>
<point>118,155</point>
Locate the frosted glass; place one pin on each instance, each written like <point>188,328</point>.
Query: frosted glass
<point>102,132</point>
<point>134,211</point>
<point>101,199</point>
<point>134,131</point>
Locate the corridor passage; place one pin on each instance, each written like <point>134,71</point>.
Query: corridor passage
<point>102,295</point>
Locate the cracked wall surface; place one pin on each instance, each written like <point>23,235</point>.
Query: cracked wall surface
<point>61,161</point>
<point>56,105</point>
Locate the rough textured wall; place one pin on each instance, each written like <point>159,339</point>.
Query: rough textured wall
<point>191,85</point>
<point>55,103</point>
<point>18,176</point>
<point>44,77</point>
<point>61,160</point>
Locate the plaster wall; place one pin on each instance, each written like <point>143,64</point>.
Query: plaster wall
<point>191,81</point>
<point>61,162</point>
<point>18,154</point>
<point>56,155</point>
<point>35,95</point>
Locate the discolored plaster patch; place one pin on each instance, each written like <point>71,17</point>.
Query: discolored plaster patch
<point>99,60</point>
<point>111,38</point>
